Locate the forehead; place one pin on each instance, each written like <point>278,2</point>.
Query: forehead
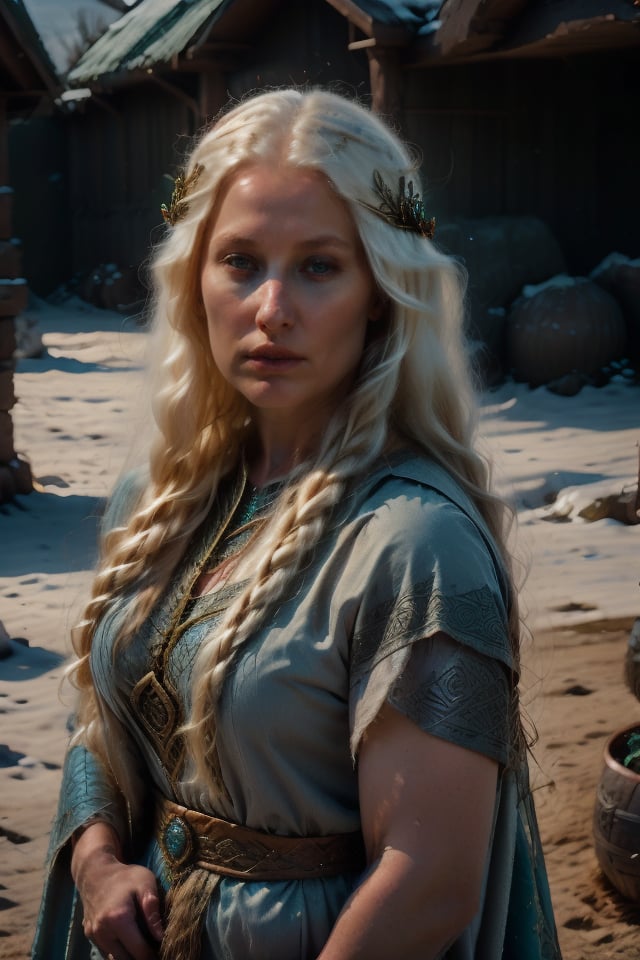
<point>282,198</point>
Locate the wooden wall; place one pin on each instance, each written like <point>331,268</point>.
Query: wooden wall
<point>15,475</point>
<point>306,44</point>
<point>558,139</point>
<point>122,152</point>
<point>41,210</point>
<point>123,145</point>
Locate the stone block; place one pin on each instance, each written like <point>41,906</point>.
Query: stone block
<point>6,207</point>
<point>6,437</point>
<point>14,295</point>
<point>7,338</point>
<point>7,393</point>
<point>10,259</point>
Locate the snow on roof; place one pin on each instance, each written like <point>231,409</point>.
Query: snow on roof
<point>156,30</point>
<point>153,32</point>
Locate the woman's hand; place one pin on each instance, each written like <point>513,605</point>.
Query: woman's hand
<point>120,901</point>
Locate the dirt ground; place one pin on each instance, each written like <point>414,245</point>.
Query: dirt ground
<point>576,698</point>
<point>585,701</point>
<point>79,403</point>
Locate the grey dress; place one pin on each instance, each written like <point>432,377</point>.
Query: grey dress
<point>404,600</point>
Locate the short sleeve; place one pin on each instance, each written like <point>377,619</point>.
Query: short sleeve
<point>426,568</point>
<point>455,693</point>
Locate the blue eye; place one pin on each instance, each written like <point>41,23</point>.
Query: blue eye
<point>238,261</point>
<point>319,267</point>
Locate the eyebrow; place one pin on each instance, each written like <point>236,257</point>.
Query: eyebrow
<point>322,239</point>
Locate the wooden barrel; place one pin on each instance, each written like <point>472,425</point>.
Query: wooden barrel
<point>616,818</point>
<point>632,660</point>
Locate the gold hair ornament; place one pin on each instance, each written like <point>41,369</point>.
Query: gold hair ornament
<point>179,206</point>
<point>406,211</point>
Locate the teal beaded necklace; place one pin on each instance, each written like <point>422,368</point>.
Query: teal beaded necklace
<point>255,501</point>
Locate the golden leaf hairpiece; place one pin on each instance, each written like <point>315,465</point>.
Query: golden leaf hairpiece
<point>178,206</point>
<point>405,211</point>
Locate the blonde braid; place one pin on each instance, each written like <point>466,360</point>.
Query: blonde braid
<point>353,441</point>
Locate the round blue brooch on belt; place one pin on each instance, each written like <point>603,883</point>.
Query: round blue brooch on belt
<point>177,841</point>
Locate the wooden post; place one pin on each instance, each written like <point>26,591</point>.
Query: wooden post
<point>4,142</point>
<point>386,84</point>
<point>15,474</point>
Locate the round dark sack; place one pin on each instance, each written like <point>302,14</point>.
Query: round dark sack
<point>567,325</point>
<point>616,818</point>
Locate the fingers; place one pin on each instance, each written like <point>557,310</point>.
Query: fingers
<point>150,915</point>
<point>122,911</point>
<point>122,954</point>
<point>135,947</point>
<point>139,950</point>
<point>129,935</point>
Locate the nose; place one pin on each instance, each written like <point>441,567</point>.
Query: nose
<point>274,309</point>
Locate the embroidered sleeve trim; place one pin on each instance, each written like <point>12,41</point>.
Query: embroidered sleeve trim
<point>474,618</point>
<point>456,694</point>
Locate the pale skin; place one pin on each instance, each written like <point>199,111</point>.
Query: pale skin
<point>288,297</point>
<point>120,901</point>
<point>427,808</point>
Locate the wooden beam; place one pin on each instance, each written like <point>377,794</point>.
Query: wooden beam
<point>30,58</point>
<point>354,14</point>
<point>230,21</point>
<point>386,84</point>
<point>470,26</point>
<point>383,34</point>
<point>216,55</point>
<point>362,44</point>
<point>28,94</point>
<point>16,63</point>
<point>174,91</point>
<point>4,147</point>
<point>561,40</point>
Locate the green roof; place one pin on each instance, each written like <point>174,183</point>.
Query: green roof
<point>153,32</point>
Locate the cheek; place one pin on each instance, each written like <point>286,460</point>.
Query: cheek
<point>349,340</point>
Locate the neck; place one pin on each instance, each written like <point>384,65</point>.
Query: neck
<point>276,451</point>
<point>271,466</point>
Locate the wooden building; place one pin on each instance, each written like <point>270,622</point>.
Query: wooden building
<point>156,77</point>
<point>27,79</point>
<point>517,108</point>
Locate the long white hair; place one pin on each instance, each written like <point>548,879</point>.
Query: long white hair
<point>414,385</point>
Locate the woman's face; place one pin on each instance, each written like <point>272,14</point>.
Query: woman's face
<point>287,293</point>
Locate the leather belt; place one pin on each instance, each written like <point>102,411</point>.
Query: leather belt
<point>190,839</point>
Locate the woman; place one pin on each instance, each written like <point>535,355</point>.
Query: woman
<point>298,727</point>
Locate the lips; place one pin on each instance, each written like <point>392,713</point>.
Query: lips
<point>271,358</point>
<point>269,352</point>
